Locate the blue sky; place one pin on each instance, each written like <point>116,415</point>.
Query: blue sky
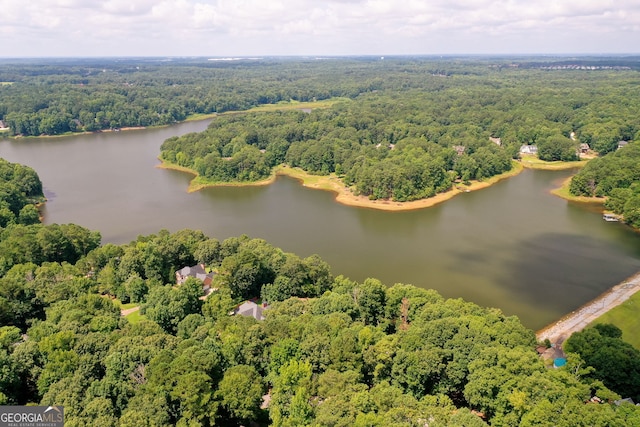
<point>33,28</point>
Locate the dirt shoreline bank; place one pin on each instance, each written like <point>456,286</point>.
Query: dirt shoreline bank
<point>344,194</point>
<point>579,319</point>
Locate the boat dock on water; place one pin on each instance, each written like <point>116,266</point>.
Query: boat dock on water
<point>611,217</point>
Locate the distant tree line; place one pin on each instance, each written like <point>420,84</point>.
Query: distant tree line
<point>518,104</point>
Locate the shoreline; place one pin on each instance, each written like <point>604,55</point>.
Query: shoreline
<point>62,135</point>
<point>344,194</point>
<point>283,106</point>
<point>563,192</point>
<point>586,314</point>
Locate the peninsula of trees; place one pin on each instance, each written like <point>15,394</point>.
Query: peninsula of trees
<point>406,128</point>
<point>614,178</point>
<point>414,142</point>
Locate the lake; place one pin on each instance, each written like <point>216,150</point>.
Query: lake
<point>513,246</point>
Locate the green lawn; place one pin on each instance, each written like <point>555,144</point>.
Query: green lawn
<point>135,317</point>
<point>280,106</point>
<point>122,306</point>
<point>533,162</point>
<point>626,316</point>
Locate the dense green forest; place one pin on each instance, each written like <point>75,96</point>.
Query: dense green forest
<point>412,142</point>
<point>376,146</point>
<point>20,191</point>
<point>616,363</point>
<point>331,352</point>
<point>615,176</point>
<point>88,95</point>
<point>522,100</point>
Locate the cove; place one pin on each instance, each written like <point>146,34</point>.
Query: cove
<point>512,246</point>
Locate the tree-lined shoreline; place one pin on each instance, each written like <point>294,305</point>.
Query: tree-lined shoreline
<point>344,194</point>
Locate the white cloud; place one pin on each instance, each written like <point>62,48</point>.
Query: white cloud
<point>237,27</point>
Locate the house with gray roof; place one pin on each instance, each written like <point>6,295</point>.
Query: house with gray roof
<point>622,144</point>
<point>197,271</point>
<point>251,309</point>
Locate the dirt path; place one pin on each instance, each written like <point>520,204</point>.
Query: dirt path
<point>128,311</point>
<point>577,320</point>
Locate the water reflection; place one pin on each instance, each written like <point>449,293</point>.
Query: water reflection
<point>552,268</point>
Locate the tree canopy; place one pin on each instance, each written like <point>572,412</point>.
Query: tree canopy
<point>615,176</point>
<point>20,191</point>
<point>330,352</point>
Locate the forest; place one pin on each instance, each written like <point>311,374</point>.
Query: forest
<point>20,191</point>
<point>411,143</point>
<point>406,128</point>
<point>377,145</point>
<point>329,352</point>
<point>522,100</point>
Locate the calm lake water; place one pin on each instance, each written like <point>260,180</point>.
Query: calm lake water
<point>512,246</point>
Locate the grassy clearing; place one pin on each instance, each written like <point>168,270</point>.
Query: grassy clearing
<point>135,317</point>
<point>626,316</point>
<point>533,162</point>
<point>280,106</point>
<point>197,117</point>
<point>297,105</point>
<point>5,83</point>
<point>120,305</point>
<point>128,305</point>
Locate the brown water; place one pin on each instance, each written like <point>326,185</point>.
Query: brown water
<point>512,246</point>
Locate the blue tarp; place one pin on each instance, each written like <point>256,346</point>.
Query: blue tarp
<point>560,361</point>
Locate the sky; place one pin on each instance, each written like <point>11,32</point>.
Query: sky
<point>229,28</point>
